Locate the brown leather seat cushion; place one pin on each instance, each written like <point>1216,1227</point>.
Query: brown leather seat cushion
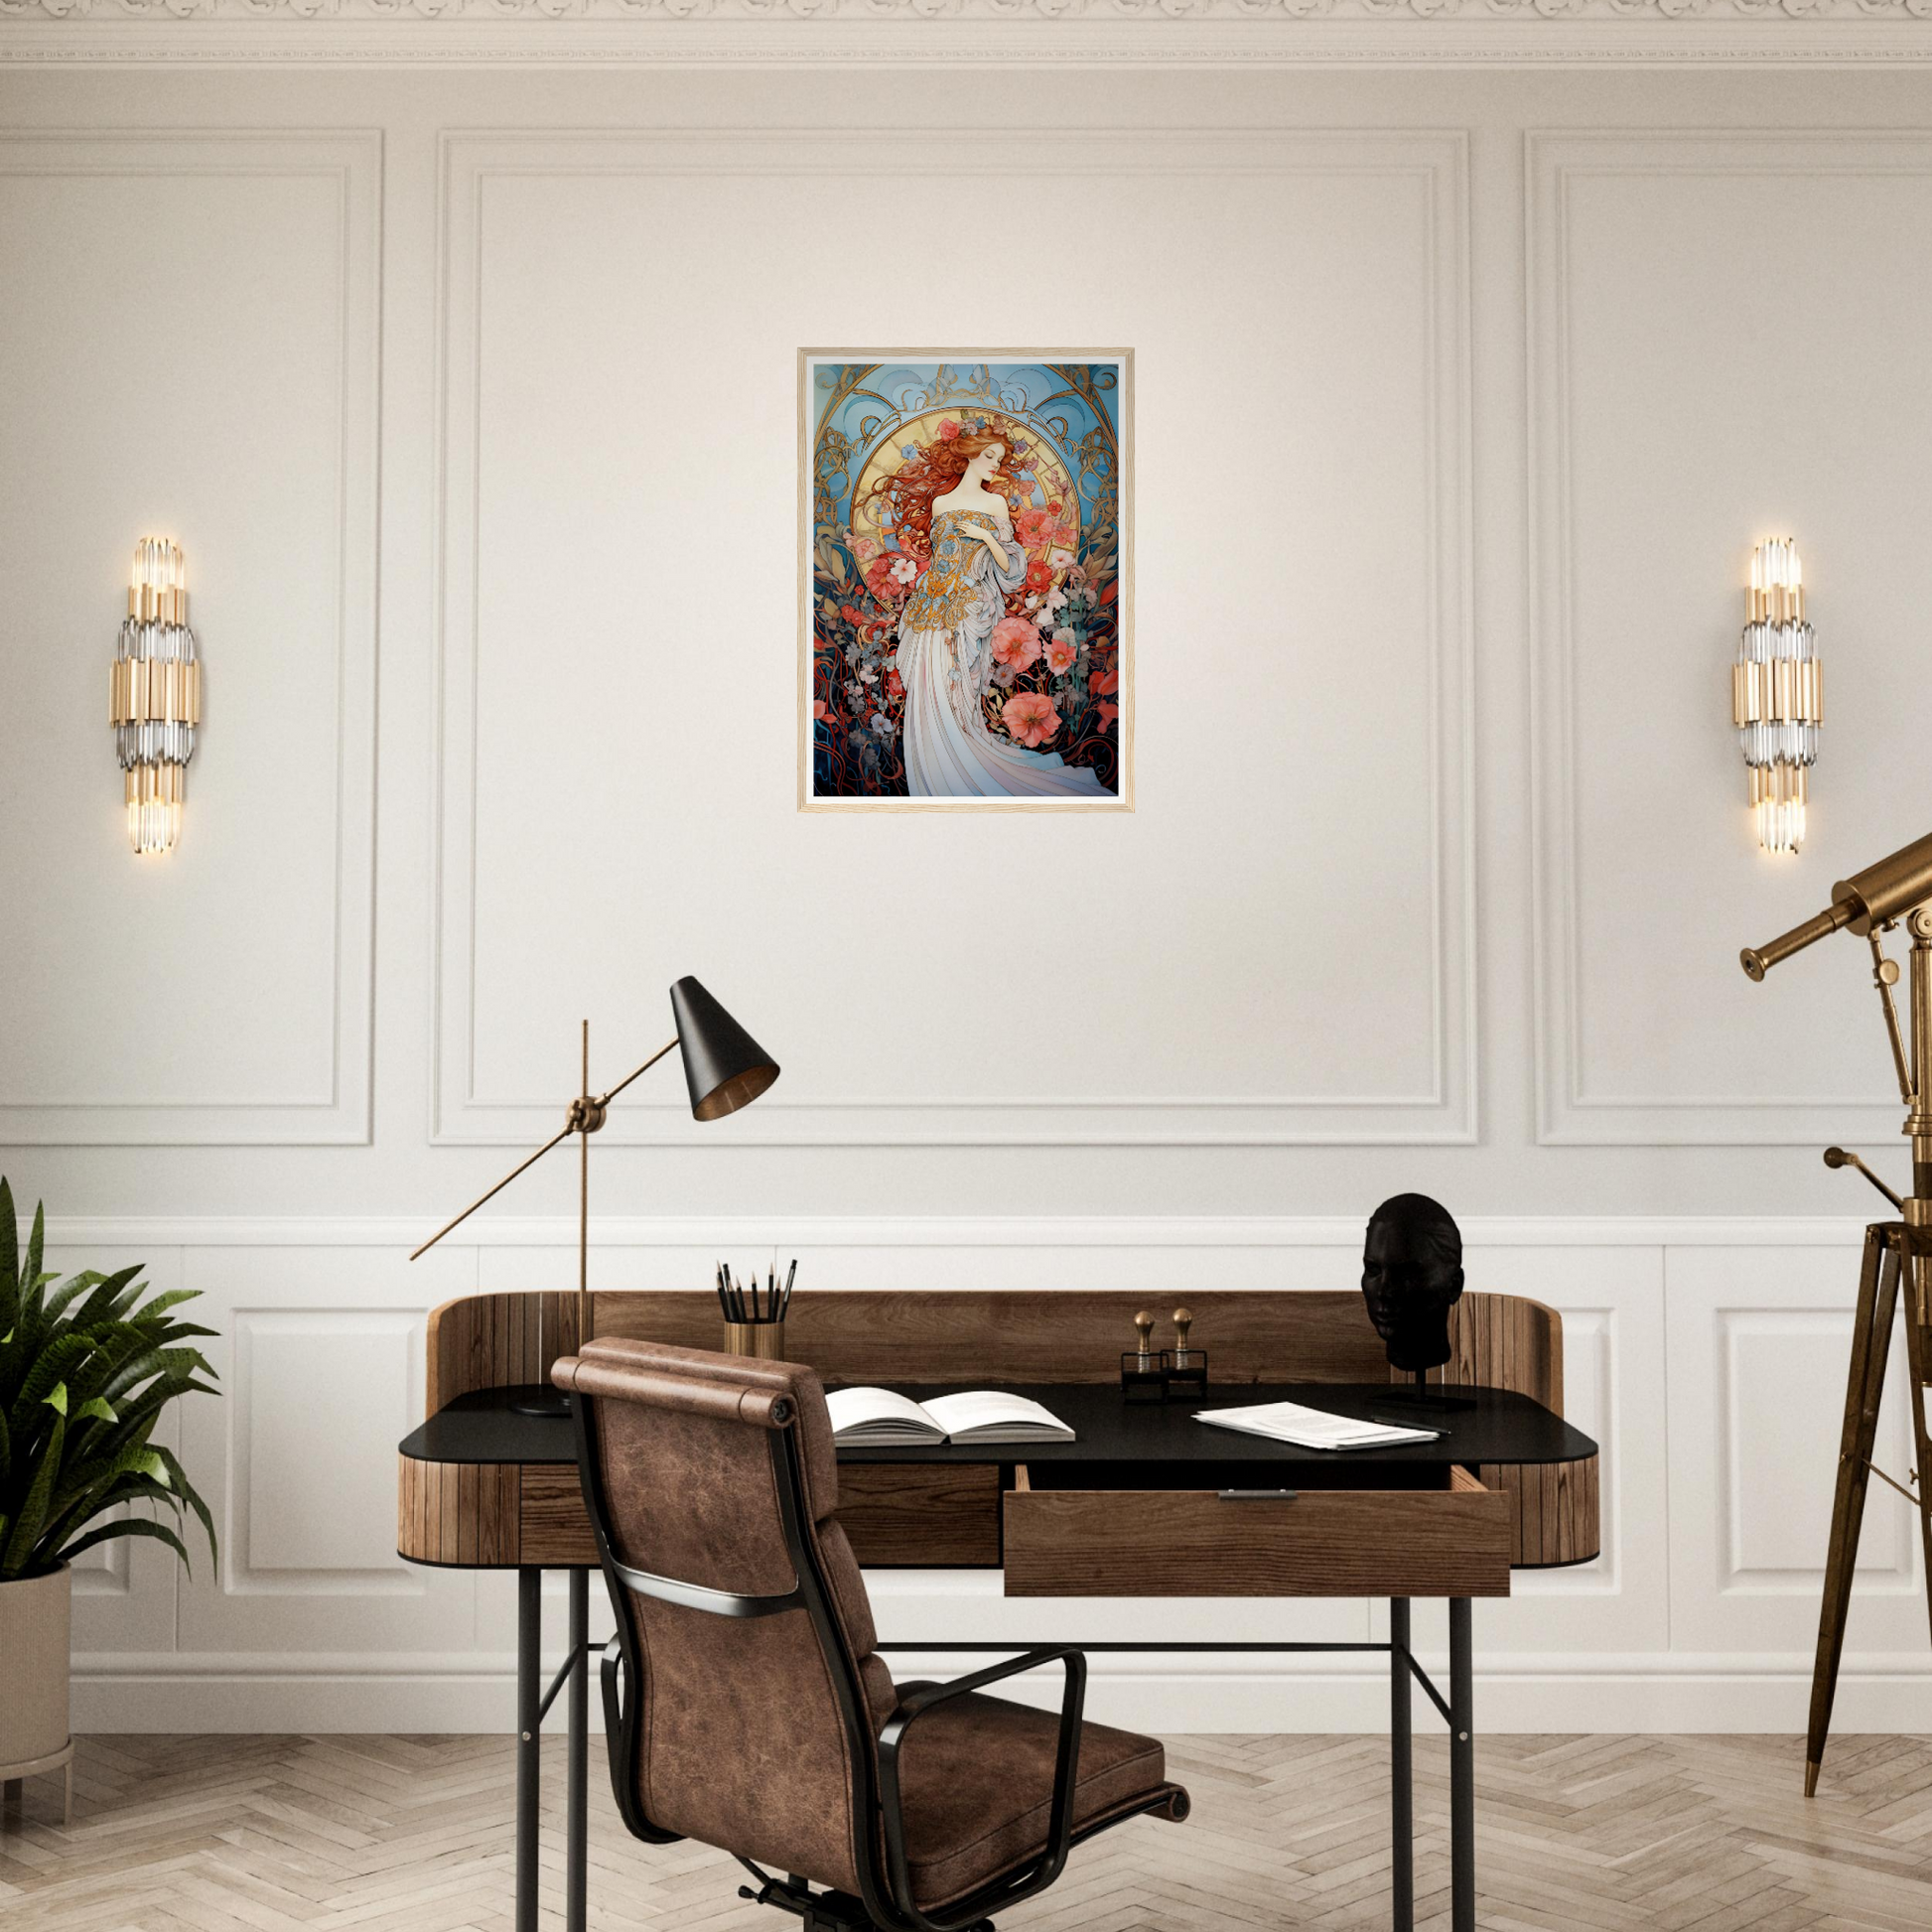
<point>976,1782</point>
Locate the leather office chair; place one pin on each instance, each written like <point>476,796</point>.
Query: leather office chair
<point>745,1705</point>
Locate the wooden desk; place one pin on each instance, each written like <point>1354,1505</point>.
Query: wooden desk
<point>1132,1508</point>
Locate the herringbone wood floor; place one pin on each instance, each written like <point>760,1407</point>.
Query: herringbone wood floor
<point>1663,1833</point>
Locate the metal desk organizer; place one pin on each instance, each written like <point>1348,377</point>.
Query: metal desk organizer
<point>1137,1506</point>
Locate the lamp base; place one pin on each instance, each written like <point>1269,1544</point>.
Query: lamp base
<point>539,1398</point>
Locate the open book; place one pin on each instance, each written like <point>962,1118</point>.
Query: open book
<point>1289,1421</point>
<point>880,1419</point>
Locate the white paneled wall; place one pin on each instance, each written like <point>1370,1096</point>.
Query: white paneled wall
<point>470,393</point>
<point>1712,1373</point>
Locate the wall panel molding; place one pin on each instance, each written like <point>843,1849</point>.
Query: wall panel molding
<point>156,1233</point>
<point>1435,163</point>
<point>1569,1113</point>
<point>351,160</point>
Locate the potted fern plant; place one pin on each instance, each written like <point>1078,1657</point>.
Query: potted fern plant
<point>87,1369</point>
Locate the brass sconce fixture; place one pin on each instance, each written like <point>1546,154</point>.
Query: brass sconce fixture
<point>155,696</point>
<point>1777,694</point>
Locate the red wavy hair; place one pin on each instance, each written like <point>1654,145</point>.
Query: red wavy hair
<point>906,494</point>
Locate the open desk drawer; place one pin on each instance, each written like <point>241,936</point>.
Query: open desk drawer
<point>1442,1534</point>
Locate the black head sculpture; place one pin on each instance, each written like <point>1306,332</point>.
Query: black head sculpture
<point>1412,1275</point>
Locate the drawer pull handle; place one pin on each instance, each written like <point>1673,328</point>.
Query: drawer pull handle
<point>1258,1495</point>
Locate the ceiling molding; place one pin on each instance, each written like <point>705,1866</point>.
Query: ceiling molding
<point>967,33</point>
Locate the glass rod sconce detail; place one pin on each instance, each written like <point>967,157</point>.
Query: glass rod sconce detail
<point>155,695</point>
<point>1777,694</point>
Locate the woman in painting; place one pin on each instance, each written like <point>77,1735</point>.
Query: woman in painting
<point>951,499</point>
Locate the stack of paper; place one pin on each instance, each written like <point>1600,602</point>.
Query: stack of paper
<point>1290,1421</point>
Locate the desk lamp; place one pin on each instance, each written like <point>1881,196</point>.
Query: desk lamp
<point>724,1069</point>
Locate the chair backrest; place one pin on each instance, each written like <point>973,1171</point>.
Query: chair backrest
<point>711,1480</point>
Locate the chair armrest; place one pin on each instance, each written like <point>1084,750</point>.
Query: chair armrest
<point>1066,1764</point>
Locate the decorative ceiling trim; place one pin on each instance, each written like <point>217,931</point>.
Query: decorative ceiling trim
<point>968,32</point>
<point>1171,14</point>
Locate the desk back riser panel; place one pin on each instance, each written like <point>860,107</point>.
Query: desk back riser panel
<point>1459,1537</point>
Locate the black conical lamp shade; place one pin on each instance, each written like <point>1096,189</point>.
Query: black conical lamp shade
<point>724,1066</point>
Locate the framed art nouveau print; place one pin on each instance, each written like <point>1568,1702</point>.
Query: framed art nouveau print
<point>966,579</point>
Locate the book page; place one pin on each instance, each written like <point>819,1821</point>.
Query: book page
<point>990,1408</point>
<point>852,1409</point>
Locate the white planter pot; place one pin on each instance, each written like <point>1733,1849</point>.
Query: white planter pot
<point>35,1621</point>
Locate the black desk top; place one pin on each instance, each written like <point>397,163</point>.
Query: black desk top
<point>1499,1427</point>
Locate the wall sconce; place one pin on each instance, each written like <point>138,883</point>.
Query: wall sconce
<point>1777,694</point>
<point>154,697</point>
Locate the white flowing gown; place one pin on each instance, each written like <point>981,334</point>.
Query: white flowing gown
<point>949,751</point>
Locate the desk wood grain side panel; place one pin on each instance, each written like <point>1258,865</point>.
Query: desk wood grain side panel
<point>1554,1510</point>
<point>922,1515</point>
<point>457,1512</point>
<point>1503,1341</point>
<point>495,1341</point>
<point>1188,1542</point>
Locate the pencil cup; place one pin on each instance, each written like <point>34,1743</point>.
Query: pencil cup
<point>765,1339</point>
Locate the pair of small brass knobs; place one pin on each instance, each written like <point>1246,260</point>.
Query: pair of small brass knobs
<point>1183,1320</point>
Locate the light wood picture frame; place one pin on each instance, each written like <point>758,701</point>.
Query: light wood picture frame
<point>966,579</point>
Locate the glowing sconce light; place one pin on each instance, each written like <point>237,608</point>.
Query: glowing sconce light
<point>1777,694</point>
<point>155,700</point>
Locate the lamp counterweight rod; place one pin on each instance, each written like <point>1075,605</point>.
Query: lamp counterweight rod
<point>562,1133</point>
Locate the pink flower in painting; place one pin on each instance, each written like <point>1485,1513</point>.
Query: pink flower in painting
<point>1060,559</point>
<point>1030,719</point>
<point>866,549</point>
<point>1104,683</point>
<point>1034,526</point>
<point>1038,576</point>
<point>1015,643</point>
<point>888,575</point>
<point>948,430</point>
<point>1061,652</point>
<point>818,708</point>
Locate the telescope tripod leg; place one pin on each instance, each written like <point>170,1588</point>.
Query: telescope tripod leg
<point>1918,1357</point>
<point>1871,1345</point>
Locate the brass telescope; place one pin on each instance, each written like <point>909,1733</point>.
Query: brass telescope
<point>1875,897</point>
<point>1898,1253</point>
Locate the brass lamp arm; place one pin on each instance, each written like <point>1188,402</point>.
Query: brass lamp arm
<point>576,1122</point>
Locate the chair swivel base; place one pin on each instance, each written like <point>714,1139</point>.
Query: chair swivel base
<point>823,1911</point>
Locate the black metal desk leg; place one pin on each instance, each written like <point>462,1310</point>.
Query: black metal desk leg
<point>529,1738</point>
<point>1462,1771</point>
<point>1402,1808</point>
<point>580,1744</point>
